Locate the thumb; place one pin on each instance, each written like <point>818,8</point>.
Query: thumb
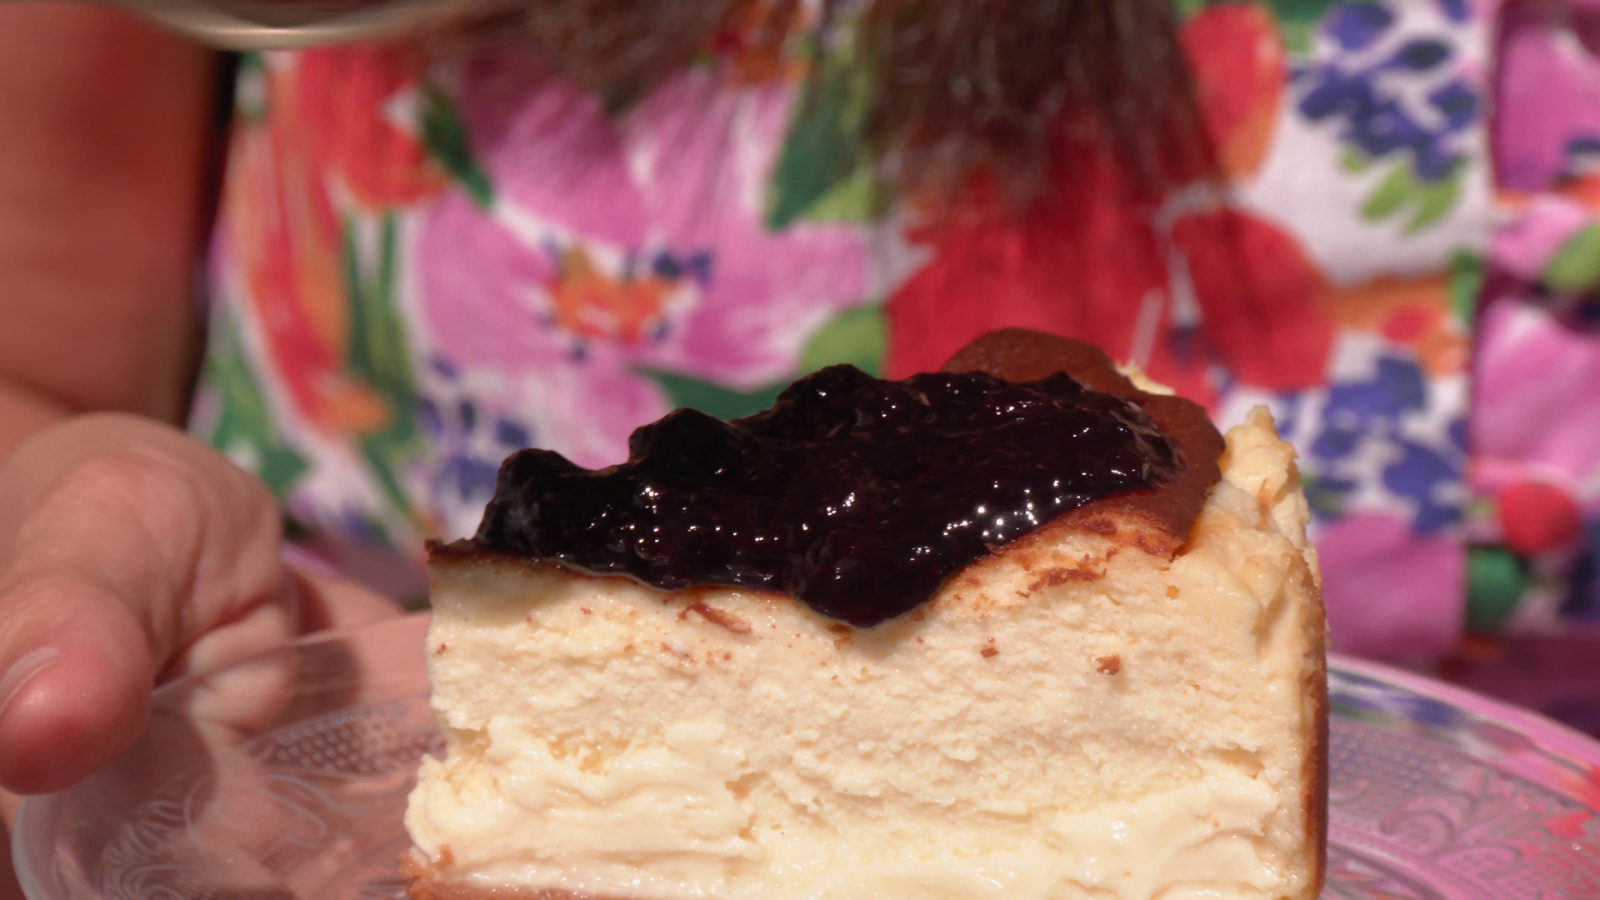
<point>126,550</point>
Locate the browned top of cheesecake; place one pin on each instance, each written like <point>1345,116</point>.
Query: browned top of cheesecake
<point>860,497</point>
<point>1157,518</point>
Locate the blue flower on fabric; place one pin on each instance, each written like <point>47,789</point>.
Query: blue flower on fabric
<point>1583,595</point>
<point>1397,387</point>
<point>696,266</point>
<point>1370,437</point>
<point>1581,155</point>
<point>1455,10</point>
<point>1458,435</point>
<point>1381,122</point>
<point>1420,55</point>
<point>1457,103</point>
<point>468,444</point>
<point>1420,474</point>
<point>1397,99</point>
<point>1357,26</point>
<point>458,470</point>
<point>1286,411</point>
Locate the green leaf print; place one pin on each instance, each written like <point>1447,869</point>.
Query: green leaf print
<point>379,354</point>
<point>1298,20</point>
<point>250,89</point>
<point>377,350</point>
<point>684,392</point>
<point>856,336</point>
<point>1323,500</point>
<point>859,198</point>
<point>446,139</point>
<point>244,428</point>
<point>821,167</point>
<point>1422,202</point>
<point>1466,279</point>
<point>1393,192</point>
<point>1355,160</point>
<point>1576,266</point>
<point>1434,200</point>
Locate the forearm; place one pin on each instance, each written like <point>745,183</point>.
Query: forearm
<point>104,130</point>
<point>105,126</point>
<point>23,413</point>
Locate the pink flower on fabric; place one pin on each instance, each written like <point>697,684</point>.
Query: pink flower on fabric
<point>619,244</point>
<point>1536,412</point>
<point>1527,244</point>
<point>1546,91</point>
<point>1391,593</point>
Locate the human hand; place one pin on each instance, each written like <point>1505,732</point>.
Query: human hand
<point>131,554</point>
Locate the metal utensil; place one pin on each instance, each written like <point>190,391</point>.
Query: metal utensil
<point>267,24</point>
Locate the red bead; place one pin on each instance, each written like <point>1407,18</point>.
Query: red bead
<point>1538,517</point>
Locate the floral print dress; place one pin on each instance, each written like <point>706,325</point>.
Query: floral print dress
<point>421,268</point>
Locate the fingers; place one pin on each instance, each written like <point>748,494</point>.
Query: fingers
<point>78,695</point>
<point>126,549</point>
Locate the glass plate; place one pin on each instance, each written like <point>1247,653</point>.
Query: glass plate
<point>287,777</point>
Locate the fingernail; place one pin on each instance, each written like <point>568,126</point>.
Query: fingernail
<point>22,671</point>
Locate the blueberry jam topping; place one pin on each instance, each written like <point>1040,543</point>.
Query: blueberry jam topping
<point>855,495</point>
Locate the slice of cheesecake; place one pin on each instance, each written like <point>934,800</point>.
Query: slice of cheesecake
<point>1124,698</point>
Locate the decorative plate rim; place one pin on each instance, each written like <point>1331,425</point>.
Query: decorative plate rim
<point>48,871</point>
<point>1548,733</point>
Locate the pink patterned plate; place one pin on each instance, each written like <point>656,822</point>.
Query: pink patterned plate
<point>287,777</point>
<point>1438,792</point>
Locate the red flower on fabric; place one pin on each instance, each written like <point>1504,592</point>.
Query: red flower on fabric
<point>1263,304</point>
<point>1078,266</point>
<point>1237,57</point>
<point>344,96</point>
<point>1091,265</point>
<point>284,231</point>
<point>323,123</point>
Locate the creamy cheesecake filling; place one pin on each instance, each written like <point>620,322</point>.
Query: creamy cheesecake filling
<point>1074,718</point>
<point>666,828</point>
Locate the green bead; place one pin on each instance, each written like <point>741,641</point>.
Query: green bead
<point>1496,580</point>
